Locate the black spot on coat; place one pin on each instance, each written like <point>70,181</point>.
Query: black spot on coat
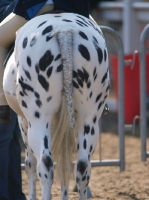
<point>45,60</point>
<point>81,74</point>
<point>21,93</point>
<point>57,57</point>
<point>47,162</point>
<point>99,52</point>
<point>37,95</point>
<point>37,68</point>
<point>46,142</point>
<point>108,87</point>
<point>37,114</point>
<point>94,72</point>
<point>75,84</point>
<point>25,42</point>
<point>47,30</point>
<point>81,166</point>
<point>91,94</point>
<point>49,71</point>
<point>94,120</point>
<point>86,75</point>
<point>59,68</point>
<point>22,79</point>
<point>48,38</point>
<point>95,39</point>
<point>95,77</point>
<point>27,74</point>
<point>100,104</point>
<point>104,77</point>
<point>84,52</point>
<point>43,82</point>
<point>25,86</point>
<point>105,55</point>
<point>81,23</point>
<point>98,97</point>
<point>75,75</point>
<point>84,144</point>
<point>91,148</point>
<point>41,24</point>
<point>92,131</point>
<point>39,103</point>
<point>46,176</point>
<point>83,35</point>
<point>29,61</point>
<point>66,20</point>
<point>24,104</point>
<point>100,55</point>
<point>88,84</point>
<point>86,129</point>
<point>65,193</point>
<point>49,98</point>
<point>84,178</point>
<point>80,82</point>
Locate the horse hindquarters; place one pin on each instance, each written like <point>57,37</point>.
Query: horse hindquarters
<point>40,89</point>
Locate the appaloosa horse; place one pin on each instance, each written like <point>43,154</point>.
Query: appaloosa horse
<point>57,81</point>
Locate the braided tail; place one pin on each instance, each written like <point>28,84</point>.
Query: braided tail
<point>64,132</point>
<point>65,41</point>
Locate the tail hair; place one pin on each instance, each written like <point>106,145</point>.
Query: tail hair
<point>64,131</point>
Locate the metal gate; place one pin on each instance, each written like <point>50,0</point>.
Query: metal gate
<point>143,124</point>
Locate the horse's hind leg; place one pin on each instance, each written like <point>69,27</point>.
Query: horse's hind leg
<point>88,132</point>
<point>40,143</point>
<point>30,160</point>
<point>64,193</point>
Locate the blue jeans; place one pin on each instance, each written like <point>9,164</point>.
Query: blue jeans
<point>10,161</point>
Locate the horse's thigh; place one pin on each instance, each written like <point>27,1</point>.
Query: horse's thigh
<point>13,103</point>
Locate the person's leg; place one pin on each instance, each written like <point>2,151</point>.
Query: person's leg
<point>5,138</point>
<point>15,179</point>
<point>4,163</point>
<point>45,8</point>
<point>8,28</point>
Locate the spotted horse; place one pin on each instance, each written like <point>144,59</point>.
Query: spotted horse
<point>57,81</point>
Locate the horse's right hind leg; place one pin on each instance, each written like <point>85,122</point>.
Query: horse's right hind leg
<point>88,133</point>
<point>30,160</point>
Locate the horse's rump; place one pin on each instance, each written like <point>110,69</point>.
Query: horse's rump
<point>60,62</point>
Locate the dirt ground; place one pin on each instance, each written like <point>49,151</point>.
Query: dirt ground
<point>109,183</point>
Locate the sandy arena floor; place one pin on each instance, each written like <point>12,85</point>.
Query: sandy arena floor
<point>108,183</point>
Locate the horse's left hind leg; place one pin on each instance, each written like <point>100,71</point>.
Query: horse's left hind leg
<point>40,142</point>
<point>30,160</point>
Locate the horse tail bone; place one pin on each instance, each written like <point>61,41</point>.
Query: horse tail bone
<point>64,132</point>
<point>65,41</point>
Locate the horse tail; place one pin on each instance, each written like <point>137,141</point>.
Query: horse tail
<point>65,41</point>
<point>64,132</point>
